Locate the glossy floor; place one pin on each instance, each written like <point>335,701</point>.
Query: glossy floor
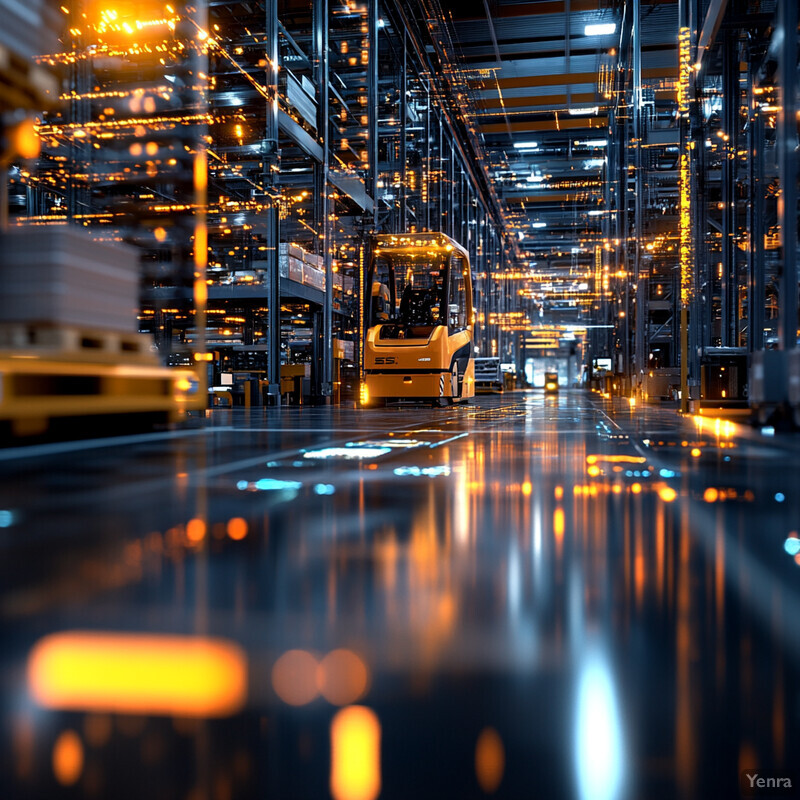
<point>526,597</point>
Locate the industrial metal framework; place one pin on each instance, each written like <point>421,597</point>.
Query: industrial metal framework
<point>319,123</point>
<point>702,200</point>
<point>624,178</point>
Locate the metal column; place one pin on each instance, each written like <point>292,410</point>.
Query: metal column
<point>730,100</point>
<point>323,210</point>
<point>372,107</point>
<point>269,167</point>
<point>403,225</point>
<point>787,166</point>
<point>755,226</point>
<point>640,344</point>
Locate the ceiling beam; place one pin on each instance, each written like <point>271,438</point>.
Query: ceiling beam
<point>536,100</point>
<point>568,123</point>
<point>714,15</point>
<point>532,81</point>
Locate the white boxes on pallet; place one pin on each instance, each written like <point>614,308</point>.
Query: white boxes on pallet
<point>59,276</point>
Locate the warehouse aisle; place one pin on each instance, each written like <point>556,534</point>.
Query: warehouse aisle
<point>525,597</point>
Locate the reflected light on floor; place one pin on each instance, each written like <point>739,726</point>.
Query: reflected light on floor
<point>195,530</point>
<point>68,758</point>
<point>237,528</point>
<point>490,760</point>
<point>342,677</point>
<point>667,494</point>
<point>294,677</point>
<point>355,754</point>
<point>599,755</point>
<point>558,523</point>
<point>139,674</point>
<point>710,495</point>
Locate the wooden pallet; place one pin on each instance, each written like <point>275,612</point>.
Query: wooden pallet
<point>72,341</point>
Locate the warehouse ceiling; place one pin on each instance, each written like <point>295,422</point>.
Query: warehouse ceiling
<point>542,78</point>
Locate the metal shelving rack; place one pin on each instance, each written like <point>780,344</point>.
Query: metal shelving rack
<point>324,122</point>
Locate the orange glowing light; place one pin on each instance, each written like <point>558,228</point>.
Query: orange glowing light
<point>68,758</point>
<point>237,528</point>
<point>711,495</point>
<point>160,234</point>
<point>490,760</point>
<point>342,677</point>
<point>593,471</point>
<point>558,492</point>
<point>615,459</point>
<point>138,674</point>
<point>355,754</point>
<point>527,488</point>
<point>195,530</point>
<point>667,494</point>
<point>695,452</point>
<point>294,677</point>
<point>200,292</point>
<point>200,171</point>
<point>636,488</point>
<point>558,523</point>
<point>25,139</point>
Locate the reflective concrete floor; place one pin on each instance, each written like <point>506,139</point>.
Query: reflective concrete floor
<point>527,597</point>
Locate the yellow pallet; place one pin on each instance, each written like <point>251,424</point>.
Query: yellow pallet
<point>36,390</point>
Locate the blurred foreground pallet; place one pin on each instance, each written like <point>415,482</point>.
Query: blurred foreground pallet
<point>35,393</point>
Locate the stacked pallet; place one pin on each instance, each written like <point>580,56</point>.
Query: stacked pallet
<point>70,297</point>
<point>57,277</point>
<point>296,264</point>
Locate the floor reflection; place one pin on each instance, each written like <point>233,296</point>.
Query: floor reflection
<point>529,596</point>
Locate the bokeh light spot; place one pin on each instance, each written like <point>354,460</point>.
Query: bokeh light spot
<point>355,754</point>
<point>294,677</point>
<point>237,528</point>
<point>342,677</point>
<point>68,758</point>
<point>490,760</point>
<point>195,530</point>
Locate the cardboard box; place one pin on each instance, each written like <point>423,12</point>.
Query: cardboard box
<point>314,260</point>
<point>313,277</point>
<point>295,269</point>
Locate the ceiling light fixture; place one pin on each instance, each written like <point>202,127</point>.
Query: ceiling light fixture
<point>526,145</point>
<point>582,112</point>
<point>600,29</point>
